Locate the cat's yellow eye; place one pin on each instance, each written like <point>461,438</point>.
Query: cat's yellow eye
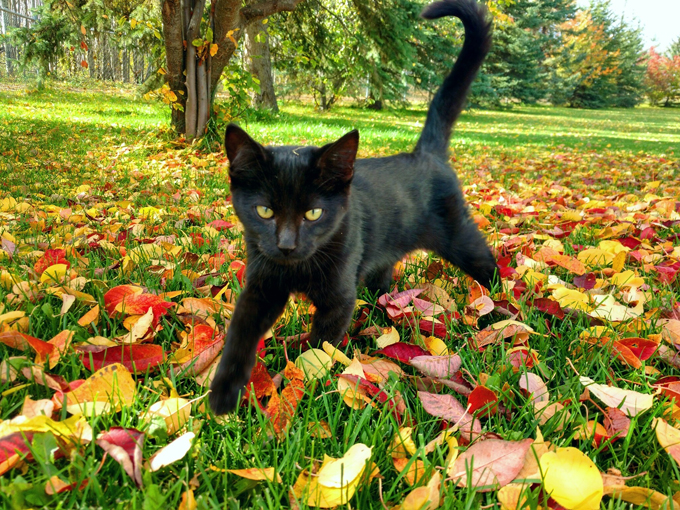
<point>264,212</point>
<point>313,214</point>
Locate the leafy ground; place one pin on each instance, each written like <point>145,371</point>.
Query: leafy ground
<point>120,250</point>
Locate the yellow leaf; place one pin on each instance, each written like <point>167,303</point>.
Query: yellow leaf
<point>315,363</point>
<point>402,445</point>
<point>257,474</point>
<point>668,437</point>
<point>513,496</point>
<point>642,496</point>
<point>596,257</point>
<point>175,412</point>
<point>424,498</point>
<point>109,388</point>
<point>572,479</point>
<point>570,298</point>
<point>213,49</point>
<point>619,261</point>
<point>337,355</point>
<point>54,274</point>
<point>340,479</point>
<point>346,388</point>
<point>82,30</point>
<point>436,346</point>
<point>388,338</point>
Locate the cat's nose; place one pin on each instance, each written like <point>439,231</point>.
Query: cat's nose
<point>286,241</point>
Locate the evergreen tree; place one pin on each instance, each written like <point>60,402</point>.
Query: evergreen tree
<point>525,34</point>
<point>674,50</point>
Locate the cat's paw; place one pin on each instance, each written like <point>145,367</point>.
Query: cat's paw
<point>225,393</point>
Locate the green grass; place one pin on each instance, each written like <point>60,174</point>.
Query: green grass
<point>53,142</point>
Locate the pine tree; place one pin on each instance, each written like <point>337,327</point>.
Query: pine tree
<point>674,50</point>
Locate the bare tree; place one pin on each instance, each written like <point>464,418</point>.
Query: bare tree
<point>203,50</point>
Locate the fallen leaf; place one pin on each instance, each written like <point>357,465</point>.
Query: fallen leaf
<point>572,479</point>
<point>171,453</point>
<point>448,408</point>
<point>630,402</point>
<point>125,447</point>
<point>490,464</point>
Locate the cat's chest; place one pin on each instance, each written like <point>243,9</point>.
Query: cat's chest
<point>308,276</point>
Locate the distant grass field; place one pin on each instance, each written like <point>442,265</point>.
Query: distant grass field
<point>530,171</point>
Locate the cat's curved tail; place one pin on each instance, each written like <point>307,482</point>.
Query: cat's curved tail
<point>450,98</point>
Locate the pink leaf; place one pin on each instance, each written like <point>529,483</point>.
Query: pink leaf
<point>437,366</point>
<point>125,447</point>
<point>447,407</point>
<point>491,464</point>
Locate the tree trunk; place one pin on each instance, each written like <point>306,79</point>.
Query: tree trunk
<point>260,64</point>
<point>230,20</point>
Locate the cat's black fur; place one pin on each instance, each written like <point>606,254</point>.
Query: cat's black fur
<point>374,212</point>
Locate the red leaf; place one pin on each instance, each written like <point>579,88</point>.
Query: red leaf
<point>139,304</point>
<point>669,386</point>
<point>641,347</point>
<point>43,349</point>
<point>125,446</point>
<point>240,267</point>
<point>260,383</point>
<point>117,294</point>
<point>220,225</point>
<point>630,242</point>
<point>13,448</point>
<point>549,306</point>
<point>402,351</point>
<point>586,281</point>
<point>136,358</point>
<point>50,258</point>
<point>431,327</point>
<point>17,340</point>
<point>447,407</point>
<point>483,398</point>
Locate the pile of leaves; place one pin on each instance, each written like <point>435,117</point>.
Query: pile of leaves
<point>116,300</point>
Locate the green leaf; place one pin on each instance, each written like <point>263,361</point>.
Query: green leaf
<point>197,42</point>
<point>209,35</point>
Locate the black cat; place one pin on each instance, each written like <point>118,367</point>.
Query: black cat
<point>319,222</point>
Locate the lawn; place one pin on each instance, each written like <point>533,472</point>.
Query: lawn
<point>583,208</point>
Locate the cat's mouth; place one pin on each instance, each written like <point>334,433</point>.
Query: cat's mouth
<point>289,259</point>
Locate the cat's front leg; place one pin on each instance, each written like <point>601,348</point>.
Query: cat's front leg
<point>256,311</point>
<point>333,316</point>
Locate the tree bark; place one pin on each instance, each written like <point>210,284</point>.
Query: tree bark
<point>260,64</point>
<point>230,21</point>
<point>193,32</point>
<point>171,12</point>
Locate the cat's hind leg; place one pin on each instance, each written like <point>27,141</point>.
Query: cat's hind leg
<point>379,281</point>
<point>459,241</point>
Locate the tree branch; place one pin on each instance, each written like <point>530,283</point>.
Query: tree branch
<point>260,10</point>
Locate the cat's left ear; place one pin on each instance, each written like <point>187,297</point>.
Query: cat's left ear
<point>336,161</point>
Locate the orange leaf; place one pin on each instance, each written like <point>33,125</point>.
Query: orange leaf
<point>116,295</point>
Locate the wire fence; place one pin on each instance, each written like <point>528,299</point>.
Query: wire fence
<point>105,58</point>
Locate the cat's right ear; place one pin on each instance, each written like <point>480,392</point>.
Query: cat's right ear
<point>241,148</point>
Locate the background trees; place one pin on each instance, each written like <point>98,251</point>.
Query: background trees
<point>375,52</point>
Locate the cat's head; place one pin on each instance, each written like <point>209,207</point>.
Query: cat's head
<point>291,200</point>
